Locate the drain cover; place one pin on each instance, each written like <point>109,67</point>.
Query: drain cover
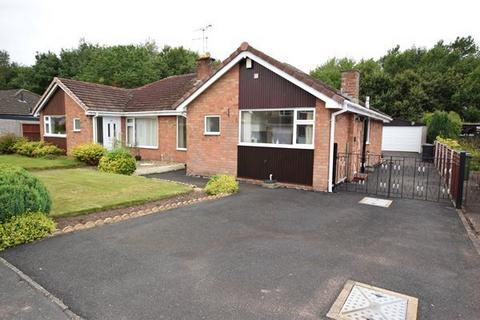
<point>376,202</point>
<point>359,301</point>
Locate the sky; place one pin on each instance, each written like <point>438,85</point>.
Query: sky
<point>302,33</point>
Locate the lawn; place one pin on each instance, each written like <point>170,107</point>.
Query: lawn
<point>38,163</point>
<point>83,190</point>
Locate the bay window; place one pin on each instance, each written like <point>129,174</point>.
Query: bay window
<point>277,128</point>
<point>54,126</point>
<point>142,132</point>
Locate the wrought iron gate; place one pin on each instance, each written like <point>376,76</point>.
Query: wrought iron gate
<point>395,175</point>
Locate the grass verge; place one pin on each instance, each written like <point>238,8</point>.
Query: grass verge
<point>39,163</point>
<point>81,191</point>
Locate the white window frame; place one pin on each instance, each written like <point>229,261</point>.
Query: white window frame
<point>178,148</point>
<point>296,122</point>
<point>134,124</point>
<point>205,132</point>
<point>75,129</point>
<point>48,119</point>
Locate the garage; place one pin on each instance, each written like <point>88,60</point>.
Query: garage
<point>404,136</point>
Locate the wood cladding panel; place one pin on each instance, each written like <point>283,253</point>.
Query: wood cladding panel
<point>286,165</point>
<point>262,88</point>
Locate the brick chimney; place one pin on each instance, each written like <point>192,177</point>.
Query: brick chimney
<point>351,84</point>
<point>204,66</point>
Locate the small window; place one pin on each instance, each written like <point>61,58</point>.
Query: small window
<point>76,124</point>
<point>212,125</point>
<point>181,133</point>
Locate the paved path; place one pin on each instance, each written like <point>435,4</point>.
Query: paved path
<point>19,300</point>
<point>260,254</point>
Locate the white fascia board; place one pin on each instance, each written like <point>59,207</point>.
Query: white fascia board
<point>329,102</point>
<point>135,113</point>
<point>358,109</point>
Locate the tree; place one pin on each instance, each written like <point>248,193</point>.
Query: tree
<point>444,125</point>
<point>406,84</point>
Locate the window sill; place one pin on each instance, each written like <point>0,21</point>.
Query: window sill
<point>211,133</point>
<point>273,145</point>
<point>55,135</point>
<point>76,130</point>
<point>181,149</point>
<point>145,147</point>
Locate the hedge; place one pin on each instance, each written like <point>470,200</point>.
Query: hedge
<point>89,153</point>
<point>221,183</point>
<point>119,161</point>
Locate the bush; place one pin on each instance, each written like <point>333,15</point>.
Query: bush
<point>21,192</point>
<point>37,149</point>
<point>443,124</point>
<point>7,143</point>
<point>221,183</point>
<point>89,153</point>
<point>25,228</point>
<point>118,161</point>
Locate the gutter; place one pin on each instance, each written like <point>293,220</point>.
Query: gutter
<point>332,140</point>
<point>134,113</point>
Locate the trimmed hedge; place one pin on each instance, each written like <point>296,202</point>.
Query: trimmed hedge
<point>21,192</point>
<point>7,143</point>
<point>25,228</point>
<point>37,149</point>
<point>89,153</point>
<point>119,161</point>
<point>221,183</point>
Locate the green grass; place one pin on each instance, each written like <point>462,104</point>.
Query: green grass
<point>38,163</point>
<point>82,190</point>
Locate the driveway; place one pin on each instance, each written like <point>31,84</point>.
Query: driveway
<point>260,254</point>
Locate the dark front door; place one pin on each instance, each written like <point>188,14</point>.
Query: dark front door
<point>285,165</point>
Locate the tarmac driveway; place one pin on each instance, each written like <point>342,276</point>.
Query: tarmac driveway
<point>260,254</point>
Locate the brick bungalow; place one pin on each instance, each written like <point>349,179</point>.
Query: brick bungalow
<point>251,117</point>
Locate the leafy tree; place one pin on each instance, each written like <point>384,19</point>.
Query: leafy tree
<point>330,71</point>
<point>443,124</point>
<point>46,67</point>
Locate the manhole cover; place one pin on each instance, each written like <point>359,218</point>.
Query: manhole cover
<point>359,301</point>
<point>376,202</point>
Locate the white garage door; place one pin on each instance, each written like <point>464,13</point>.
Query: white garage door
<point>407,139</point>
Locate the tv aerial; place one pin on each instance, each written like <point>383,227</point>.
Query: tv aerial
<point>204,37</point>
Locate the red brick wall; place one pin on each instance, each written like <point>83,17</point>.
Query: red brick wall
<point>207,155</point>
<point>376,131</point>
<point>61,104</point>
<point>322,149</point>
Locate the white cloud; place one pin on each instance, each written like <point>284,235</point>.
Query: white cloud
<point>302,33</point>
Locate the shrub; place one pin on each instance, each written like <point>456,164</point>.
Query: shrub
<point>89,153</point>
<point>25,228</point>
<point>443,124</point>
<point>7,143</point>
<point>21,192</point>
<point>37,149</point>
<point>221,183</point>
<point>47,150</point>
<point>118,161</point>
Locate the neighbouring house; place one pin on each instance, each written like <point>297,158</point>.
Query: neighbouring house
<point>16,106</point>
<point>404,136</point>
<point>250,117</point>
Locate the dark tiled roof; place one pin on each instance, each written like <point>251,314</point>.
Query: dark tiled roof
<point>98,97</point>
<point>159,95</point>
<point>17,102</point>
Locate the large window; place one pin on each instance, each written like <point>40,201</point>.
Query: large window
<point>142,132</point>
<point>181,133</point>
<point>282,128</point>
<point>54,126</point>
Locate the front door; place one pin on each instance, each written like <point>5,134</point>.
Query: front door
<point>111,132</point>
